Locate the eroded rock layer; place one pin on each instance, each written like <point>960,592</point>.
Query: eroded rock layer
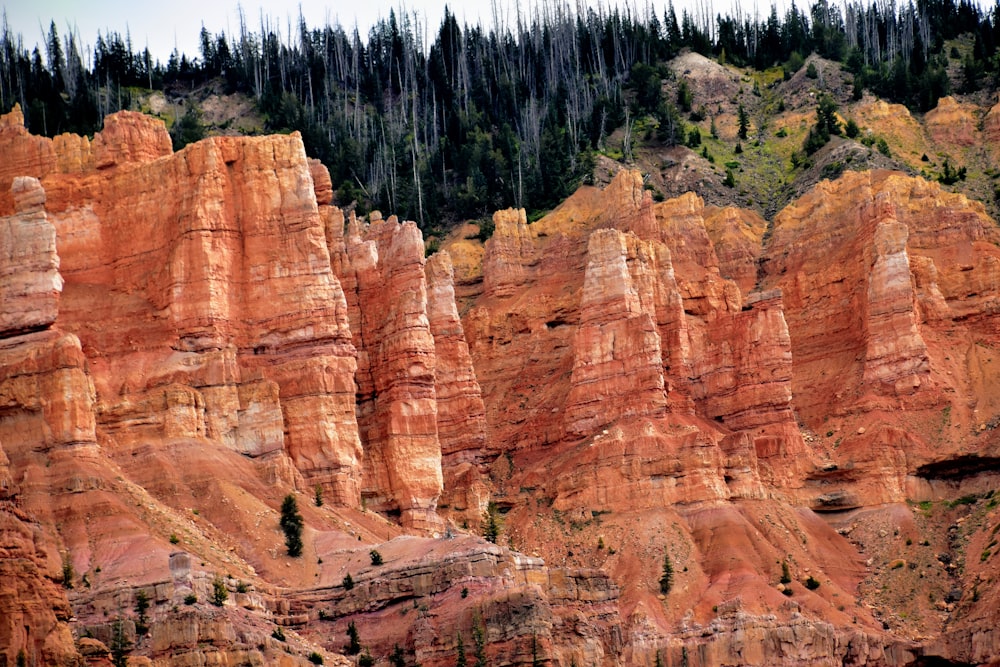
<point>692,434</point>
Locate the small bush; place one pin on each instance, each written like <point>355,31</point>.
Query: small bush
<point>486,229</point>
<point>318,496</point>
<point>787,592</point>
<point>190,598</point>
<point>811,71</point>
<point>315,658</point>
<point>219,592</point>
<point>348,582</point>
<point>278,634</point>
<point>694,138</point>
<point>174,539</point>
<point>786,575</point>
<point>375,556</point>
<point>242,587</point>
<point>812,583</point>
<point>366,660</point>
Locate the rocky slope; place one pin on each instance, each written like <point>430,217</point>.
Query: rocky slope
<point>186,338</point>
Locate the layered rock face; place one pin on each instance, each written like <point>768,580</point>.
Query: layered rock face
<point>186,338</point>
<point>397,406</point>
<point>653,328</point>
<point>44,403</point>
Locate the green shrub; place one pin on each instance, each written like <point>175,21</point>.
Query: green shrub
<point>375,556</point>
<point>190,598</point>
<point>315,658</point>
<point>219,592</point>
<point>67,572</point>
<point>811,583</point>
<point>278,634</point>
<point>348,582</point>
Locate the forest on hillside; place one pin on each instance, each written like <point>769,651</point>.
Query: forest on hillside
<point>485,118</point>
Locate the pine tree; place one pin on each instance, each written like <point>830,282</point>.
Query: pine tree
<point>291,524</point>
<point>744,121</point>
<point>667,578</point>
<point>353,640</point>
<point>460,652</point>
<point>491,523</point>
<point>120,645</point>
<point>479,637</point>
<point>141,606</point>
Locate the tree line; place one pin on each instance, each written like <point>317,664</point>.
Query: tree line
<point>482,118</point>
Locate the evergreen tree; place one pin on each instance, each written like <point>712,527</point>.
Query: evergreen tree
<point>397,658</point>
<point>667,577</point>
<point>353,640</point>
<point>120,645</point>
<point>460,652</point>
<point>744,122</point>
<point>141,607</point>
<point>492,523</point>
<point>291,524</point>
<point>479,638</point>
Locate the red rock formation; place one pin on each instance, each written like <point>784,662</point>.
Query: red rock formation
<point>42,387</point>
<point>461,415</point>
<point>30,283</point>
<point>626,380</point>
<point>397,407</point>
<point>952,124</point>
<point>737,236</point>
<point>617,337</point>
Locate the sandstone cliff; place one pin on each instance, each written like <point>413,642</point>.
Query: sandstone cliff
<point>187,338</point>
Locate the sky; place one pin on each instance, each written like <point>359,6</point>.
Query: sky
<point>166,24</point>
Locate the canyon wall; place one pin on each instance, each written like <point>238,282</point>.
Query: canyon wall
<point>188,338</point>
